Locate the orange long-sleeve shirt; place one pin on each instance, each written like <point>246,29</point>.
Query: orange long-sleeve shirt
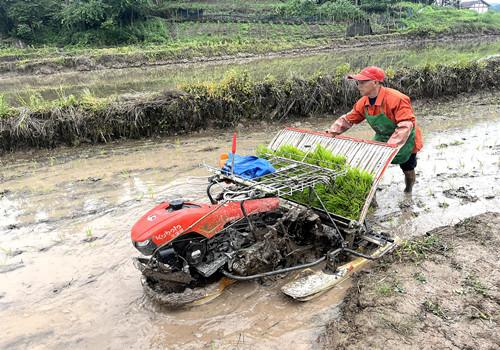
<point>395,105</point>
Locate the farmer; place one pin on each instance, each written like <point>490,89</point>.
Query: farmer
<point>390,115</point>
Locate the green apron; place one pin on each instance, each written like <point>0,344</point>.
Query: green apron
<point>384,128</point>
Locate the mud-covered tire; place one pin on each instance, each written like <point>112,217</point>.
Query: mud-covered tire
<point>178,299</point>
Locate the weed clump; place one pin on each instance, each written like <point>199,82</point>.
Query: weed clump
<point>418,250</point>
<point>436,309</point>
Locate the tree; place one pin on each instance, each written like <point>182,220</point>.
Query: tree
<point>27,17</point>
<point>5,22</point>
<point>87,14</point>
<point>81,15</point>
<point>342,10</point>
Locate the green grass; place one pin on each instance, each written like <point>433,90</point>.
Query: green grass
<point>419,249</point>
<point>436,19</point>
<point>5,108</point>
<point>228,7</point>
<point>210,38</point>
<point>389,288</point>
<point>473,284</point>
<point>109,83</point>
<point>153,30</point>
<point>36,103</point>
<point>420,277</point>
<point>170,37</point>
<point>289,10</point>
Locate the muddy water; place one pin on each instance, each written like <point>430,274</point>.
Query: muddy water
<point>66,277</point>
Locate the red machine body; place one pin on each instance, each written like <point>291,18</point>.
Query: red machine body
<point>165,222</point>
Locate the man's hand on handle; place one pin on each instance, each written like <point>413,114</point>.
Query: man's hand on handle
<point>340,125</point>
<point>332,133</point>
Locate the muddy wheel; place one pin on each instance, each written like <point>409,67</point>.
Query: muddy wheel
<point>186,297</point>
<point>163,286</point>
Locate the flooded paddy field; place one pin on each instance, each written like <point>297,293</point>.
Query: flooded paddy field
<point>17,89</point>
<point>66,273</point>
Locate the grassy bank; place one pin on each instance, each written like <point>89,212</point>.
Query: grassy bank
<point>112,23</point>
<point>186,41</point>
<point>189,34</point>
<point>191,52</point>
<point>104,83</point>
<point>163,40</point>
<point>220,104</point>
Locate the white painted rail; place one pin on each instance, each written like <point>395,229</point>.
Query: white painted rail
<point>371,156</point>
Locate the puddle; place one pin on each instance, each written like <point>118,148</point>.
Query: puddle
<point>65,215</point>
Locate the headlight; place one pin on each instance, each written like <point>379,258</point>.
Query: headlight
<point>146,247</point>
<point>143,243</point>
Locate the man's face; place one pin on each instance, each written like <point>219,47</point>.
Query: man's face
<point>367,87</point>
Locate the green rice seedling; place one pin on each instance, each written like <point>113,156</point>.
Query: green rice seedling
<point>326,159</point>
<point>263,150</point>
<point>290,152</point>
<point>348,194</point>
<point>5,109</point>
<point>344,196</point>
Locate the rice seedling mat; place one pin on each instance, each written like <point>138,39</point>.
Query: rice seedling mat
<point>370,156</point>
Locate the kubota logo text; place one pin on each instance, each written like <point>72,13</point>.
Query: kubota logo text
<point>176,230</point>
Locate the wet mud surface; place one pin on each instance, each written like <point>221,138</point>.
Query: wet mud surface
<point>66,273</point>
<point>440,291</point>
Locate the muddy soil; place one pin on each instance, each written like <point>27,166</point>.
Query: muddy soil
<point>67,279</point>
<point>440,291</point>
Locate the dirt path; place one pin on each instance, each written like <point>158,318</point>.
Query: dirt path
<point>440,291</point>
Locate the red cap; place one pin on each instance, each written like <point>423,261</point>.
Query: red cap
<point>369,73</point>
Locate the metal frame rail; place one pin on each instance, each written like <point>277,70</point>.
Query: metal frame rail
<point>290,176</point>
<point>371,156</point>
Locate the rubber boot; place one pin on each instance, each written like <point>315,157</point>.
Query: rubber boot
<point>409,180</point>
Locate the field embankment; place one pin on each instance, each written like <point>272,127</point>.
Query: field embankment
<point>304,39</point>
<point>225,104</point>
<point>436,291</point>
